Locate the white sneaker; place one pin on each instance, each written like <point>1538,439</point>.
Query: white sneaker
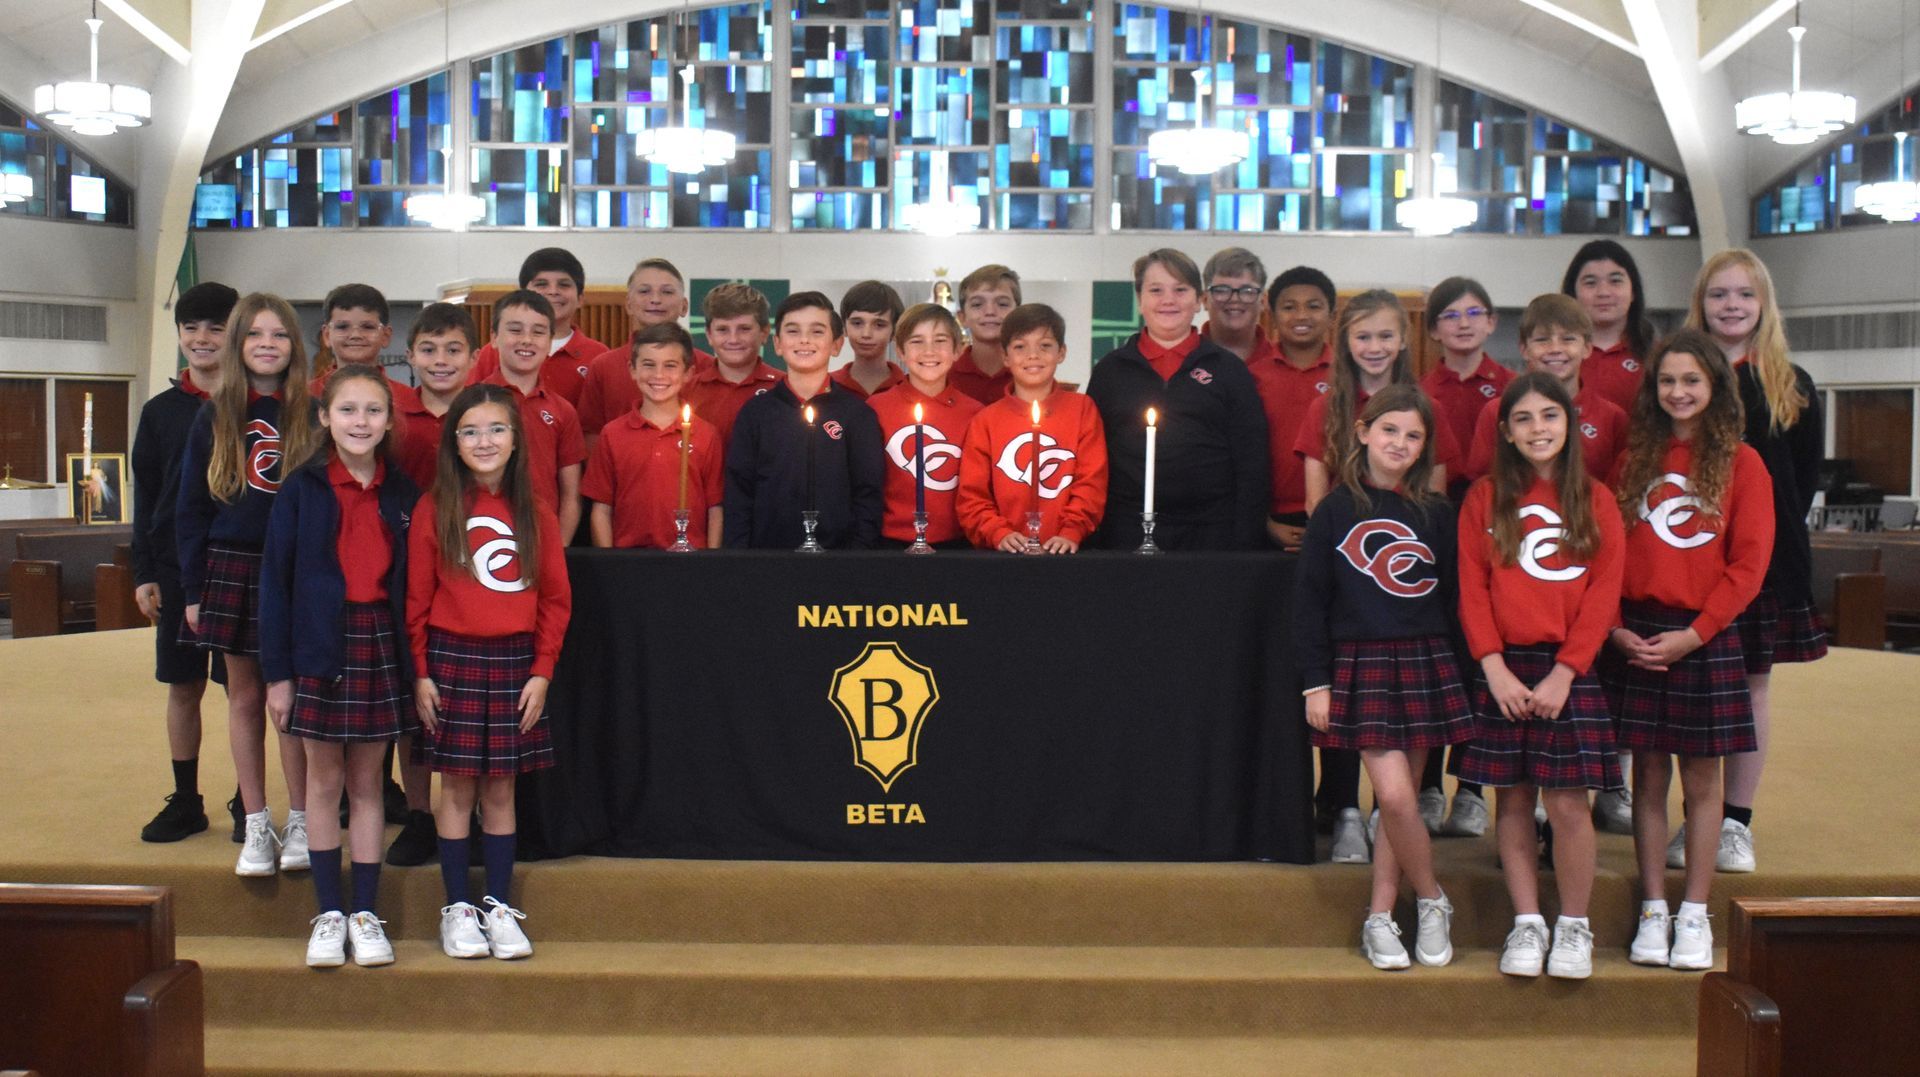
<point>1349,838</point>
<point>504,936</point>
<point>293,843</point>
<point>1433,809</point>
<point>327,946</point>
<point>1433,937</point>
<point>1572,957</point>
<point>1468,819</point>
<point>1652,943</point>
<point>1373,827</point>
<point>1526,950</point>
<point>1677,848</point>
<point>370,945</point>
<point>257,857</point>
<point>1613,811</point>
<point>1380,942</point>
<point>460,934</point>
<point>1736,848</point>
<point>1692,943</point>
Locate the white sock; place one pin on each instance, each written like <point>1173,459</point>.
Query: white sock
<point>1533,918</point>
<point>1580,921</point>
<point>1693,909</point>
<point>263,813</point>
<point>1658,905</point>
<point>296,815</point>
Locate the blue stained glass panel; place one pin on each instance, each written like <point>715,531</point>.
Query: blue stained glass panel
<point>1359,191</point>
<point>1149,99</point>
<point>1158,34</point>
<point>1366,100</point>
<point>621,209</point>
<point>1282,144</point>
<point>943,31</point>
<point>518,95</point>
<point>603,154</point>
<point>1045,65</point>
<point>1067,211</point>
<point>930,175</point>
<point>840,64</point>
<point>738,194</point>
<point>837,210</point>
<point>520,187</point>
<point>1050,148</point>
<point>736,98</point>
<point>304,187</point>
<point>399,135</point>
<point>739,32</point>
<point>943,106</point>
<point>25,153</point>
<point>625,63</point>
<point>840,148</point>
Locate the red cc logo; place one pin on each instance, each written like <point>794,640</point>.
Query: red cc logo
<point>1389,551</point>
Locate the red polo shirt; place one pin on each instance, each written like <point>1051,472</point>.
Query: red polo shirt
<point>1166,361</point>
<point>719,401</point>
<point>608,391</point>
<point>552,430</point>
<point>1310,444</point>
<point>1457,401</point>
<point>1615,373</point>
<point>1603,434</point>
<point>565,370</point>
<point>1287,393</point>
<point>967,377</point>
<point>636,469</point>
<point>416,437</point>
<point>363,545</point>
<point>844,379</point>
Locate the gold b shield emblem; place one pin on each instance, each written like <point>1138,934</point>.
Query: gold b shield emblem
<point>884,697</point>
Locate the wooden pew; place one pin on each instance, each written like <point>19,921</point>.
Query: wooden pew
<point>1850,593</point>
<point>8,530</point>
<point>1814,985</point>
<point>52,577</point>
<point>91,984</point>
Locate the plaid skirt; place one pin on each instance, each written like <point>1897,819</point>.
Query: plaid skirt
<point>1771,632</point>
<point>1396,694</point>
<point>1574,751</point>
<point>1698,707</point>
<point>229,602</point>
<point>480,679</point>
<point>367,701</point>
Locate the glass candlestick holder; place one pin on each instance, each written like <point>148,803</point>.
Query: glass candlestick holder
<point>1033,532</point>
<point>680,543</point>
<point>1146,535</point>
<point>810,522</point>
<point>920,535</point>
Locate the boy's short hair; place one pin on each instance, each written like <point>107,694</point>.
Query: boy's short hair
<point>1175,262</point>
<point>1234,262</point>
<point>872,297</point>
<point>1308,276</point>
<point>1555,311</point>
<point>438,318</point>
<point>356,297</point>
<point>208,301</point>
<point>664,333</point>
<point>805,300</point>
<point>657,263</point>
<point>733,299</point>
<point>521,297</point>
<point>989,277</point>
<point>553,260</point>
<point>1031,316</point>
<point>918,315</point>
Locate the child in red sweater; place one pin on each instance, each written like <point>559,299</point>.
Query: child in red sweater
<point>1540,562</point>
<point>927,407</point>
<point>1556,336</point>
<point>1039,455</point>
<point>487,606</point>
<point>635,477</point>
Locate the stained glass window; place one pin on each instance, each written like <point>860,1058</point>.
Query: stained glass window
<point>65,183</point>
<point>23,152</point>
<point>403,140</point>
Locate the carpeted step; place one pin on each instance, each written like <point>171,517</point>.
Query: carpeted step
<point>834,990</point>
<point>300,1052</point>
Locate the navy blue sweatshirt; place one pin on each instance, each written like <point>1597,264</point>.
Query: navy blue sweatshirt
<point>300,579</point>
<point>767,471</point>
<point>1793,463</point>
<point>158,443</point>
<point>1387,573</point>
<point>201,519</point>
<point>1211,485</point>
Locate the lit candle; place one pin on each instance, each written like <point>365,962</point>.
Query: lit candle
<point>1153,430</point>
<point>919,459</point>
<point>686,449</point>
<point>808,412</point>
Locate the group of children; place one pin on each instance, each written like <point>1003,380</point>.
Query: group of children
<point>1622,568</point>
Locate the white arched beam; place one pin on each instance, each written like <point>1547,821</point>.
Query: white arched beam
<point>1699,110</point>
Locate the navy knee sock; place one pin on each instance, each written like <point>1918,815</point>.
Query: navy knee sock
<point>326,878</point>
<point>453,869</point>
<point>366,884</point>
<point>497,852</point>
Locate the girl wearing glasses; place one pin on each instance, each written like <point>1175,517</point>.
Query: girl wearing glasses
<point>487,606</point>
<point>1460,318</point>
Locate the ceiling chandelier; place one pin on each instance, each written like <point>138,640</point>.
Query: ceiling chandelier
<point>1896,199</point>
<point>93,107</point>
<point>15,187</point>
<point>1198,150</point>
<point>1798,116</point>
<point>1436,214</point>
<point>685,148</point>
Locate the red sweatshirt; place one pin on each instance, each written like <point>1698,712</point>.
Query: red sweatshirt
<point>1615,373</point>
<point>1603,435</point>
<point>489,598</point>
<point>1544,596</point>
<point>996,466</point>
<point>946,419</point>
<point>635,468</point>
<point>1680,558</point>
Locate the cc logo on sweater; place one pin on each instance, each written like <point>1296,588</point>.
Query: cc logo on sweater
<point>493,555</point>
<point>1674,513</point>
<point>263,456</point>
<point>1392,554</point>
<point>939,453</point>
<point>1541,545</point>
<point>1051,460</point>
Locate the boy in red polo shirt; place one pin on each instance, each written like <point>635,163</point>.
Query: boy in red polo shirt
<point>634,477</point>
<point>869,311</point>
<point>987,296</point>
<point>656,294</point>
<point>1300,303</point>
<point>440,349</point>
<point>928,340</point>
<point>522,328</point>
<point>355,326</point>
<point>555,273</point>
<point>1040,446</point>
<point>1460,318</point>
<point>1556,336</point>
<point>737,316</point>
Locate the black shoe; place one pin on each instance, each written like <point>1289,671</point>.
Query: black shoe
<point>1545,831</point>
<point>395,803</point>
<point>183,815</point>
<point>239,814</point>
<point>417,843</point>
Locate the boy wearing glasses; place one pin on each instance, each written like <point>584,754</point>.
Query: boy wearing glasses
<point>1235,279</point>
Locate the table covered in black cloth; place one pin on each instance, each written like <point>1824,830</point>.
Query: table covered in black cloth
<point>965,706</point>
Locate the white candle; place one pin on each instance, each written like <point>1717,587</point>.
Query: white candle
<point>1153,431</point>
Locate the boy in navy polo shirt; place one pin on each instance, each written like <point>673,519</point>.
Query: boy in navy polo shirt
<point>773,474</point>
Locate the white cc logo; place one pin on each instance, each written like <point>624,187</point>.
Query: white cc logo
<point>1544,542</point>
<point>1672,513</point>
<point>1051,457</point>
<point>495,554</point>
<point>938,451</point>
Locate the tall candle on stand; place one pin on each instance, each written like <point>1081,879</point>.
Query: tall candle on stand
<point>1153,430</point>
<point>919,459</point>
<point>686,448</point>
<point>1033,475</point>
<point>810,501</point>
